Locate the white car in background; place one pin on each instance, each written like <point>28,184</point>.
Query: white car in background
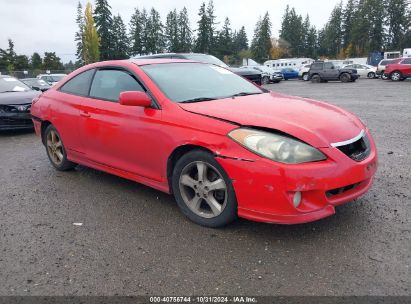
<point>363,70</point>
<point>303,72</point>
<point>52,79</point>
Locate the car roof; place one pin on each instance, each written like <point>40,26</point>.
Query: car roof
<point>6,76</point>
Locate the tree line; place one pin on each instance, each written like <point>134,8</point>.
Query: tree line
<point>352,30</point>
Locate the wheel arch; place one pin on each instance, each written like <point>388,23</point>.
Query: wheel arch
<point>44,125</point>
<point>177,154</point>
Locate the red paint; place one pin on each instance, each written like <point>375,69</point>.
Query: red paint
<point>136,143</point>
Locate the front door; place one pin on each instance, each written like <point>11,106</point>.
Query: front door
<point>122,137</point>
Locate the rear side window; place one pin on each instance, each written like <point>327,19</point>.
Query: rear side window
<point>406,61</point>
<point>108,84</point>
<point>316,66</point>
<point>385,62</point>
<point>78,85</point>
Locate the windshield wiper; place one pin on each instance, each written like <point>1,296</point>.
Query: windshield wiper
<point>198,99</point>
<point>245,94</point>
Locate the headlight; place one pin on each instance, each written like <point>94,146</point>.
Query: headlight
<point>276,147</point>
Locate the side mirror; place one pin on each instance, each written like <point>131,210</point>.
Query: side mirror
<point>134,99</point>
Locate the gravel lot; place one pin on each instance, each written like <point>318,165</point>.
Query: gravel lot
<point>134,240</point>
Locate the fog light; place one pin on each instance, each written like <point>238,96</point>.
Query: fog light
<point>297,199</point>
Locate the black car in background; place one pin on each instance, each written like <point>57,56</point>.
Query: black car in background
<point>15,104</point>
<point>250,74</point>
<point>323,71</point>
<point>36,84</point>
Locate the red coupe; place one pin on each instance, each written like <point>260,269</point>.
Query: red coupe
<point>222,145</point>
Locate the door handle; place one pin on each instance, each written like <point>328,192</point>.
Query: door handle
<point>84,114</point>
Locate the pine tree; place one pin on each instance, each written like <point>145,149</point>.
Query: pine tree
<point>348,21</point>
<point>397,23</point>
<point>154,30</point>
<point>225,45</point>
<point>292,31</point>
<point>91,51</point>
<point>185,33</point>
<point>79,34</point>
<point>8,57</point>
<point>35,61</point>
<point>104,24</point>
<point>52,62</point>
<point>240,40</point>
<point>137,25</point>
<point>261,44</point>
<point>203,40</point>
<point>172,32</point>
<point>211,27</point>
<point>120,45</point>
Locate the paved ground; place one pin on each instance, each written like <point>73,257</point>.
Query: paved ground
<point>134,241</point>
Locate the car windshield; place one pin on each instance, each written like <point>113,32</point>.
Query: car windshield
<point>10,84</point>
<point>206,59</point>
<point>195,82</point>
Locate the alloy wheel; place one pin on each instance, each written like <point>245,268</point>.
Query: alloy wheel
<point>55,147</point>
<point>203,189</point>
<point>395,76</point>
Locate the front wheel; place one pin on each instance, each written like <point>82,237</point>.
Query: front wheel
<point>305,77</point>
<point>371,75</point>
<point>396,76</point>
<point>315,79</point>
<point>203,190</point>
<point>345,77</point>
<point>56,151</point>
<point>265,80</point>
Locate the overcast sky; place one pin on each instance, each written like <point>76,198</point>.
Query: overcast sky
<point>41,25</point>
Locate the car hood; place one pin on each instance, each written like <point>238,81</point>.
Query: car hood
<point>16,98</point>
<point>243,72</point>
<point>318,124</point>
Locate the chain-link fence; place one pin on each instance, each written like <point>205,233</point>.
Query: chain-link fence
<point>32,73</point>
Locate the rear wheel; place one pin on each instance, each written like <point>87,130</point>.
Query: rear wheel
<point>203,190</point>
<point>383,76</point>
<point>315,79</point>
<point>265,80</point>
<point>371,75</point>
<point>395,76</point>
<point>56,151</point>
<point>345,77</point>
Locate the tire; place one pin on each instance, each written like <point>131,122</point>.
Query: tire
<point>345,77</point>
<point>306,77</point>
<point>315,79</point>
<point>383,76</point>
<point>210,208</point>
<point>395,76</point>
<point>56,151</point>
<point>265,80</point>
<point>402,79</point>
<point>371,75</point>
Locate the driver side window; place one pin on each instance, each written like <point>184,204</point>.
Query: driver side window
<point>108,84</point>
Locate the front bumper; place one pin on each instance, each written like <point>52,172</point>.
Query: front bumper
<point>15,121</point>
<point>265,189</point>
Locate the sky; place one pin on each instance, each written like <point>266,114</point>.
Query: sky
<point>41,26</point>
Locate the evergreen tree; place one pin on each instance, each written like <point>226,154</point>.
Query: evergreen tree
<point>8,57</point>
<point>52,62</point>
<point>333,34</point>
<point>35,61</point>
<point>91,51</point>
<point>172,32</point>
<point>240,40</point>
<point>292,31</point>
<point>348,21</point>
<point>397,23</point>
<point>225,45</point>
<point>154,30</point>
<point>203,40</point>
<point>211,27</point>
<point>21,63</point>
<point>185,33</point>
<point>121,44</point>
<point>137,25</point>
<point>104,24</point>
<point>79,34</point>
<point>261,44</point>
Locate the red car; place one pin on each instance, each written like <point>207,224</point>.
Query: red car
<point>400,70</point>
<point>222,145</point>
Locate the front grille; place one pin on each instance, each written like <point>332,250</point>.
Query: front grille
<point>25,108</point>
<point>358,150</point>
<point>340,190</point>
